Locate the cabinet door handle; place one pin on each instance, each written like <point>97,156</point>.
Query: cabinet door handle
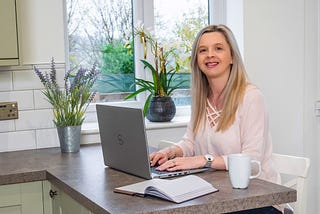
<point>52,193</point>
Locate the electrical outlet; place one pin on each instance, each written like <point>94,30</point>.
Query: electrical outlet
<point>8,110</point>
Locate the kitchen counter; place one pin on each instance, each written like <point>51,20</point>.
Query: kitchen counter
<point>84,177</point>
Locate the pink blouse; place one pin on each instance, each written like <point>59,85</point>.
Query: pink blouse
<point>248,134</point>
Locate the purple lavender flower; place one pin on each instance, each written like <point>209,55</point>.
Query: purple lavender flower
<point>69,104</point>
<point>53,73</point>
<point>40,75</point>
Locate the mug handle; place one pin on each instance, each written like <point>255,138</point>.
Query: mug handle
<point>259,166</point>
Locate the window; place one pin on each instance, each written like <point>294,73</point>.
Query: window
<point>178,29</point>
<point>101,31</point>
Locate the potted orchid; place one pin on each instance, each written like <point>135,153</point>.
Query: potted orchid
<point>159,106</point>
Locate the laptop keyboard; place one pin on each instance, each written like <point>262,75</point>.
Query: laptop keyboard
<point>154,170</point>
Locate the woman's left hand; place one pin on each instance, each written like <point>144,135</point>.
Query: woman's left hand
<point>182,163</point>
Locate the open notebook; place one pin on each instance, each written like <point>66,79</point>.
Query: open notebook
<point>124,143</point>
<point>172,190</point>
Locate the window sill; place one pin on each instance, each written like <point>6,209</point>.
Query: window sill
<point>179,121</point>
<point>90,130</point>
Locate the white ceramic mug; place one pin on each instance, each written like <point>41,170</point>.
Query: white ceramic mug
<point>240,170</point>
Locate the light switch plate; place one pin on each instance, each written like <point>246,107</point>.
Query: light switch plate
<point>9,111</point>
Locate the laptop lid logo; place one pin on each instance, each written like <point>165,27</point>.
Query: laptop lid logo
<point>120,139</point>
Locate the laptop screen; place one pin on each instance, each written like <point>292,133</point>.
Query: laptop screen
<point>123,139</point>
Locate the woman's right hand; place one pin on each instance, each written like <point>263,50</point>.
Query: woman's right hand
<point>158,158</point>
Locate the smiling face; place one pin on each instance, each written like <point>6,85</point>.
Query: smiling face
<point>214,55</point>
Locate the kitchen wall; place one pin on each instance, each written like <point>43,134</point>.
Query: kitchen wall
<point>41,37</point>
<point>281,53</point>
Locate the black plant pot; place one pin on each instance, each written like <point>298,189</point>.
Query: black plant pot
<point>161,109</point>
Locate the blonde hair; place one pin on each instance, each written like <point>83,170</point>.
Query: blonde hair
<point>234,90</point>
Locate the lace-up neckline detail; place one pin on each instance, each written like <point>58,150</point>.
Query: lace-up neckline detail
<point>213,114</point>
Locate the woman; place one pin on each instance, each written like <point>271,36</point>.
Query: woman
<point>228,113</point>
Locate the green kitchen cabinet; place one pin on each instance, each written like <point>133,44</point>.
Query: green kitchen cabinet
<point>40,197</point>
<point>9,54</point>
<point>23,198</point>
<point>62,203</point>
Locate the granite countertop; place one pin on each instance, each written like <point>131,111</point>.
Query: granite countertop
<point>84,177</point>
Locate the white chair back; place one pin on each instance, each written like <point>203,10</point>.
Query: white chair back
<point>297,168</point>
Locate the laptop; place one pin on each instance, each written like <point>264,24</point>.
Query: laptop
<point>124,142</point>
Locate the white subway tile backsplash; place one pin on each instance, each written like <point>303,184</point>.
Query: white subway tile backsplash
<point>14,141</point>
<point>36,119</point>
<point>5,81</point>
<point>6,125</point>
<point>47,138</point>
<point>24,99</point>
<point>26,79</point>
<point>34,127</point>
<point>40,101</point>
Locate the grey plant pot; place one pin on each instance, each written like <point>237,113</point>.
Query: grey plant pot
<point>161,109</point>
<point>69,138</point>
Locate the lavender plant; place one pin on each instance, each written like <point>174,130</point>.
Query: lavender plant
<point>70,102</point>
